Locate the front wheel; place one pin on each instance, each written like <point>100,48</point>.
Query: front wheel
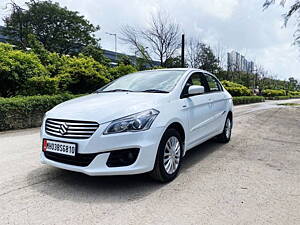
<point>168,159</point>
<point>226,134</point>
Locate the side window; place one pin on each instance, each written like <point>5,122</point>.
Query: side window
<point>196,79</point>
<point>213,83</point>
<point>193,80</point>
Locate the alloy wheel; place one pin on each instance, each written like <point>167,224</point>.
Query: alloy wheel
<point>172,153</point>
<point>228,128</point>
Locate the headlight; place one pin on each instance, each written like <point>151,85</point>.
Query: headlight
<point>136,122</point>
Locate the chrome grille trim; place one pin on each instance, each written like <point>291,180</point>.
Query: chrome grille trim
<point>75,129</point>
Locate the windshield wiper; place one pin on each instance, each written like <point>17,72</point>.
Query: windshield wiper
<point>155,91</point>
<point>116,90</point>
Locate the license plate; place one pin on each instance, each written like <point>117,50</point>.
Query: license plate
<point>64,148</point>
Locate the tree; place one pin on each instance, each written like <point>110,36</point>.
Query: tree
<point>208,60</point>
<point>96,53</point>
<point>292,84</point>
<point>294,8</point>
<point>193,53</point>
<point>161,35</point>
<point>58,29</point>
<point>173,62</point>
<point>221,55</point>
<point>200,55</point>
<point>125,60</point>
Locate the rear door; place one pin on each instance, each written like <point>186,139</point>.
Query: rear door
<point>198,110</point>
<point>218,102</point>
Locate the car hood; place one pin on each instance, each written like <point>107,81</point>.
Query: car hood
<point>104,107</point>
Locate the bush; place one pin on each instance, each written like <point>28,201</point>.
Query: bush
<point>82,75</point>
<point>26,112</point>
<point>125,60</point>
<point>273,93</point>
<point>96,53</point>
<point>41,86</point>
<point>15,68</point>
<point>236,89</point>
<point>283,97</point>
<point>53,62</point>
<point>278,97</point>
<point>295,96</point>
<point>294,93</point>
<point>120,71</point>
<point>247,99</point>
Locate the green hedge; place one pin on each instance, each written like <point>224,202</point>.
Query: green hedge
<point>295,96</point>
<point>273,93</point>
<point>283,97</point>
<point>247,99</point>
<point>278,97</point>
<point>26,112</point>
<point>294,93</point>
<point>236,89</point>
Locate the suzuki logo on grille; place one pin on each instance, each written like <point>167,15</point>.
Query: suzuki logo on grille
<point>63,129</point>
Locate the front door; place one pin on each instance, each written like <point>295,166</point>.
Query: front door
<point>198,110</point>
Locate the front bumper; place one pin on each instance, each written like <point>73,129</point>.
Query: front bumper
<point>146,141</point>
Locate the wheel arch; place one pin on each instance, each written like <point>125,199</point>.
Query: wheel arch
<point>178,126</point>
<point>230,115</point>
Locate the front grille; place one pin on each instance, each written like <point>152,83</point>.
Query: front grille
<point>70,128</point>
<point>78,160</point>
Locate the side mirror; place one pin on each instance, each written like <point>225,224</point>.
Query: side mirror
<point>196,90</point>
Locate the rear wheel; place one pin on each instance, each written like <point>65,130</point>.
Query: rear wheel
<point>226,134</point>
<point>168,159</point>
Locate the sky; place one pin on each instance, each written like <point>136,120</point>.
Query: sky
<point>239,25</point>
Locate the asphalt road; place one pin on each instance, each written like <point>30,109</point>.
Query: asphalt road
<point>255,179</point>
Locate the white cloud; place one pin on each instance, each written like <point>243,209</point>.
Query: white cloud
<point>283,60</point>
<point>216,8</point>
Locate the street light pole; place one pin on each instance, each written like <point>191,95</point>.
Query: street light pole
<point>115,43</point>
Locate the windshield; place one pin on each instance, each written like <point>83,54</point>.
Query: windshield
<point>162,81</point>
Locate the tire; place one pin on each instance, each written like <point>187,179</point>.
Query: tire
<point>225,136</point>
<point>168,162</point>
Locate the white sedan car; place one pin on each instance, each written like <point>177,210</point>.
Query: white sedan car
<point>141,122</point>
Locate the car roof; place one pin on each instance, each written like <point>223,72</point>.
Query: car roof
<point>187,70</point>
<point>184,69</point>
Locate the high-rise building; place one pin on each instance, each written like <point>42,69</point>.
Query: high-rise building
<point>238,62</point>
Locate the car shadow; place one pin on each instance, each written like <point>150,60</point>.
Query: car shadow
<point>198,153</point>
<point>73,186</point>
